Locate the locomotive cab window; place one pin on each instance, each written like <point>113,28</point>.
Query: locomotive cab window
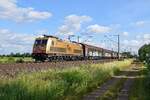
<point>37,42</point>
<point>44,42</point>
<point>40,42</point>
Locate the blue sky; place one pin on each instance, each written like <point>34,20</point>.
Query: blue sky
<point>23,20</point>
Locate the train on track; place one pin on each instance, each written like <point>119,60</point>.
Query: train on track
<point>52,48</point>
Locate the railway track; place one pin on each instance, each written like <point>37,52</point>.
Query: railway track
<point>11,70</point>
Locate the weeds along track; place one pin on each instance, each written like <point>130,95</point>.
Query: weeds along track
<point>11,70</point>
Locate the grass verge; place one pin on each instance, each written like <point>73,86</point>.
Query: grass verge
<point>56,84</point>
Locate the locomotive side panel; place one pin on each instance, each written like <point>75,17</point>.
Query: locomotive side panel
<point>56,48</point>
<point>59,47</point>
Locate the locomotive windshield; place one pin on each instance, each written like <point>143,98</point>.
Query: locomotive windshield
<point>41,42</point>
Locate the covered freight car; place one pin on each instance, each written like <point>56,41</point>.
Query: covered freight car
<point>92,52</point>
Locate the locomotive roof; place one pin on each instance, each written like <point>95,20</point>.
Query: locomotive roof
<point>50,36</point>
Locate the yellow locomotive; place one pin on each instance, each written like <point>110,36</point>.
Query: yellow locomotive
<point>53,48</point>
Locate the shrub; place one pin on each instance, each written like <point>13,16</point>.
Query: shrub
<point>147,81</point>
<point>144,54</point>
<point>19,60</point>
<point>10,60</point>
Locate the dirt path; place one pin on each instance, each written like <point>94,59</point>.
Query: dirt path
<point>130,74</point>
<point>101,90</point>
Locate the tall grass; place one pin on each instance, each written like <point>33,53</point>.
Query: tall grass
<point>56,84</point>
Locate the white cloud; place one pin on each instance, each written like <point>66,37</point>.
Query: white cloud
<point>146,36</point>
<point>140,23</point>
<point>66,30</point>
<point>11,11</point>
<point>125,33</point>
<point>73,24</point>
<point>138,37</point>
<point>143,37</point>
<point>98,29</point>
<point>129,45</point>
<point>42,32</point>
<point>15,42</point>
<point>137,43</point>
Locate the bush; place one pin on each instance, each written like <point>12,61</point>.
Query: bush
<point>10,60</point>
<point>144,53</point>
<point>19,60</point>
<point>147,81</point>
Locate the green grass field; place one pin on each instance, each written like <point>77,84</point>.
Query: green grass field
<point>59,84</point>
<point>15,59</point>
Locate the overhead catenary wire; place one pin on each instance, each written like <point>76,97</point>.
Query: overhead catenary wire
<point>124,47</point>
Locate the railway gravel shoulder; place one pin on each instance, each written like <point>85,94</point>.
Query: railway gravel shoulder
<point>11,70</point>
